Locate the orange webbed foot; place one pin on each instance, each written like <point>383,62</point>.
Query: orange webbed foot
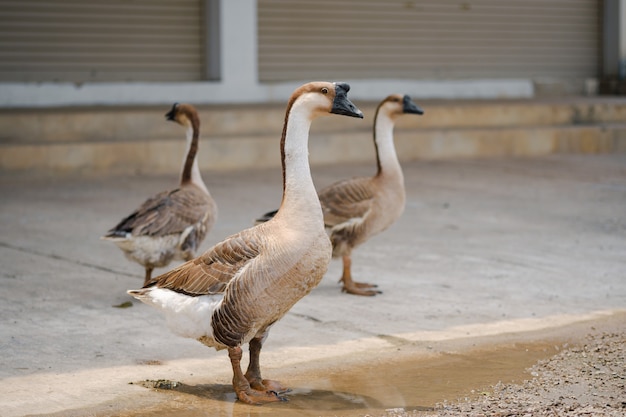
<point>255,397</point>
<point>268,385</point>
<point>364,285</point>
<point>360,288</point>
<point>275,386</point>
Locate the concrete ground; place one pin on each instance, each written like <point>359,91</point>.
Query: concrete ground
<point>485,247</point>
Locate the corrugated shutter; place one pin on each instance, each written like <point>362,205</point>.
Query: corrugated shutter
<point>435,39</point>
<point>112,40</point>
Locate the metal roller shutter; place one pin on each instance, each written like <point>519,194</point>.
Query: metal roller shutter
<point>113,40</point>
<point>435,39</point>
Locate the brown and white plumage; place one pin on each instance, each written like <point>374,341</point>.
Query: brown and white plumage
<point>358,208</point>
<point>173,223</point>
<point>236,290</point>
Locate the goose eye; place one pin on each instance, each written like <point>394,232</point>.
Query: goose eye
<point>324,90</point>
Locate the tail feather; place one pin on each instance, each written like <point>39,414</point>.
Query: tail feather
<point>115,235</point>
<point>266,217</point>
<point>138,294</point>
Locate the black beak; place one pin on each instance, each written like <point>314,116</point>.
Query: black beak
<point>409,107</point>
<point>170,114</point>
<point>342,105</point>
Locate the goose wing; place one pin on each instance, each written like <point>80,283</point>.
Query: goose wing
<point>346,200</point>
<point>211,272</point>
<point>165,213</point>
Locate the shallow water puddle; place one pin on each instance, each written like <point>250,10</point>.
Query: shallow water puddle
<point>411,384</point>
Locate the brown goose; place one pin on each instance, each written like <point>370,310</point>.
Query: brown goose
<point>234,292</point>
<point>359,208</point>
<point>172,224</point>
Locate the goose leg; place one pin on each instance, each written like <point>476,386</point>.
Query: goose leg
<point>241,385</point>
<point>353,287</point>
<point>253,374</point>
<point>148,275</point>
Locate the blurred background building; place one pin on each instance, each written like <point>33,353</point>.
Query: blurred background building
<point>64,53</point>
<point>51,51</point>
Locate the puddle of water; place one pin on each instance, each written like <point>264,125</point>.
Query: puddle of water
<point>416,384</point>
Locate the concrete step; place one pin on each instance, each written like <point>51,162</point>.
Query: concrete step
<point>126,140</point>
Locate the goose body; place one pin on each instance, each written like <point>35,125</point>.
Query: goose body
<point>171,224</point>
<point>358,208</point>
<point>234,292</point>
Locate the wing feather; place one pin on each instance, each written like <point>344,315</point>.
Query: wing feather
<point>166,213</point>
<point>211,272</point>
<point>345,200</point>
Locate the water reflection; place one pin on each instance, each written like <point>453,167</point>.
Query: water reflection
<point>219,400</point>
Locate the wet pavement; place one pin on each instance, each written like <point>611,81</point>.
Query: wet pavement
<point>485,248</point>
<point>413,384</point>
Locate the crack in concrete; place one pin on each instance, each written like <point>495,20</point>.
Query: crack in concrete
<point>64,259</point>
<point>392,340</point>
<point>307,317</point>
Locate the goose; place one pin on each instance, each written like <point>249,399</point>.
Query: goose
<point>235,291</point>
<point>171,224</point>
<point>358,208</point>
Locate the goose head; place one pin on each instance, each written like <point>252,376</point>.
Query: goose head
<point>397,104</point>
<point>325,98</point>
<point>183,114</point>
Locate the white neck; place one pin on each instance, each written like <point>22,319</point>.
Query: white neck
<point>196,178</point>
<point>299,196</point>
<point>387,156</point>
